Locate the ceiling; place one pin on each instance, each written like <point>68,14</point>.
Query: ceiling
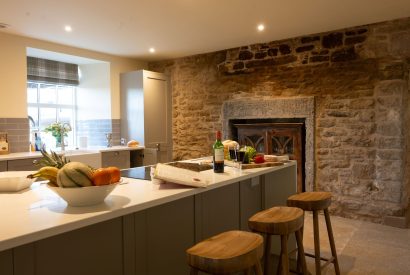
<point>177,28</point>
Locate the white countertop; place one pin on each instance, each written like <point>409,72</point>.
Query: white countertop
<point>38,213</point>
<point>70,152</point>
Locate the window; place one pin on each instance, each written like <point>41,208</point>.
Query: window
<point>51,97</point>
<point>48,103</point>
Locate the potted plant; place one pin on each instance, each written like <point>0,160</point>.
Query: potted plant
<point>58,130</point>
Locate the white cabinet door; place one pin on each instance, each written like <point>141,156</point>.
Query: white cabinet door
<point>120,159</point>
<point>150,156</point>
<point>146,111</point>
<point>157,112</point>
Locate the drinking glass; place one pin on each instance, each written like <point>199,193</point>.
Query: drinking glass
<point>241,154</point>
<point>233,153</point>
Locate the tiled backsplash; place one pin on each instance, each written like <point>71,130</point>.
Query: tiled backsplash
<point>17,130</point>
<point>95,130</point>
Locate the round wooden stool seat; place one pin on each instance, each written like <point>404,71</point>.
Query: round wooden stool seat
<point>228,252</point>
<point>310,201</point>
<point>280,220</point>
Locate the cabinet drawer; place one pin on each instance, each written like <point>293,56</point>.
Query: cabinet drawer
<point>120,159</point>
<point>3,166</point>
<point>22,164</point>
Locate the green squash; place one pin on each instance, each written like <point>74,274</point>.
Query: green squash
<point>74,174</point>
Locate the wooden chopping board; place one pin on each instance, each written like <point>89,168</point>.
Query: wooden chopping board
<point>253,165</point>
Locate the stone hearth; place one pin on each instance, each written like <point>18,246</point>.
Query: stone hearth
<point>300,107</point>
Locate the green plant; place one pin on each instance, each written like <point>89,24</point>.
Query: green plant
<point>57,129</point>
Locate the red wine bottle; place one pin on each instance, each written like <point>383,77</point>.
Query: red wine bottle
<point>218,153</point>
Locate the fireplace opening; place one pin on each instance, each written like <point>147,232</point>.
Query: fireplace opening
<point>274,136</point>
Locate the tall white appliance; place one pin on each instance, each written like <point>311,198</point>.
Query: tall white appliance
<point>146,113</point>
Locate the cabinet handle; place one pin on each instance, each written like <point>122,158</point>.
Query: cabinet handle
<point>35,161</point>
<point>116,153</point>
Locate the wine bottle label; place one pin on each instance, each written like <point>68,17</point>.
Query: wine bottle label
<point>219,154</point>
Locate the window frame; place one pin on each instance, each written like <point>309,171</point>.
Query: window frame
<point>56,106</point>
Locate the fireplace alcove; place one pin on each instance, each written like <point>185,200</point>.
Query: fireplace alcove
<point>295,112</point>
<point>283,136</point>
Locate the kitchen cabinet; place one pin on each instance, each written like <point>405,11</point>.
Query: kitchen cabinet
<point>3,166</point>
<point>95,249</point>
<point>155,240</point>
<point>274,196</point>
<point>94,159</point>
<point>271,194</point>
<point>216,211</point>
<point>146,111</point>
<point>23,164</point>
<point>120,159</point>
<point>6,262</point>
<point>136,158</point>
<point>250,199</point>
<point>150,156</point>
<point>169,233</point>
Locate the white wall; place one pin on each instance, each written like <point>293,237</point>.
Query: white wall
<point>93,93</point>
<point>13,72</point>
<point>13,77</point>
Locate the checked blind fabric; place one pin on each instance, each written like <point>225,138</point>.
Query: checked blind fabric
<point>50,71</point>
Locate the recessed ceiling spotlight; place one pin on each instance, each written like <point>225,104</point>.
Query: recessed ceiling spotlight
<point>261,27</point>
<point>68,28</point>
<point>151,50</point>
<point>4,25</point>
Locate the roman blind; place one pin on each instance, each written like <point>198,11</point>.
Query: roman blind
<point>50,71</point>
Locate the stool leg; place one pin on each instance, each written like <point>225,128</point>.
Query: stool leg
<point>266,255</point>
<point>193,271</point>
<point>298,264</point>
<point>332,242</point>
<point>257,268</point>
<point>284,254</point>
<point>301,252</point>
<point>317,242</point>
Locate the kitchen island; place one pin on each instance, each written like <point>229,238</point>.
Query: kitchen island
<point>141,228</point>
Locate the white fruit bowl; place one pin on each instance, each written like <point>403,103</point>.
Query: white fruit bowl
<point>13,181</point>
<point>83,196</point>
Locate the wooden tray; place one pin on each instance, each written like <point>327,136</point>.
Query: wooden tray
<point>253,165</point>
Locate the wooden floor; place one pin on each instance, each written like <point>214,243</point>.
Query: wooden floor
<point>363,247</point>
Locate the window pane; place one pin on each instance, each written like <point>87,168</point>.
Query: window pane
<point>48,94</point>
<point>47,116</point>
<point>31,93</point>
<point>65,95</point>
<point>33,113</point>
<point>66,115</point>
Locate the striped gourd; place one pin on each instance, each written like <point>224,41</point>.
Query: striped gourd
<point>74,174</point>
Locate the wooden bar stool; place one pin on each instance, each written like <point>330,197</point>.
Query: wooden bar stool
<point>281,221</point>
<point>316,201</point>
<point>227,253</point>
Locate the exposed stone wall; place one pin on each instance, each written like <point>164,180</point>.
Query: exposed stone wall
<point>359,80</point>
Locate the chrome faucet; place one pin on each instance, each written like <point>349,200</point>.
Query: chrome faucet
<point>108,136</point>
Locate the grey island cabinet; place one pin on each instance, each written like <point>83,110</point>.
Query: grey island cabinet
<point>141,228</point>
